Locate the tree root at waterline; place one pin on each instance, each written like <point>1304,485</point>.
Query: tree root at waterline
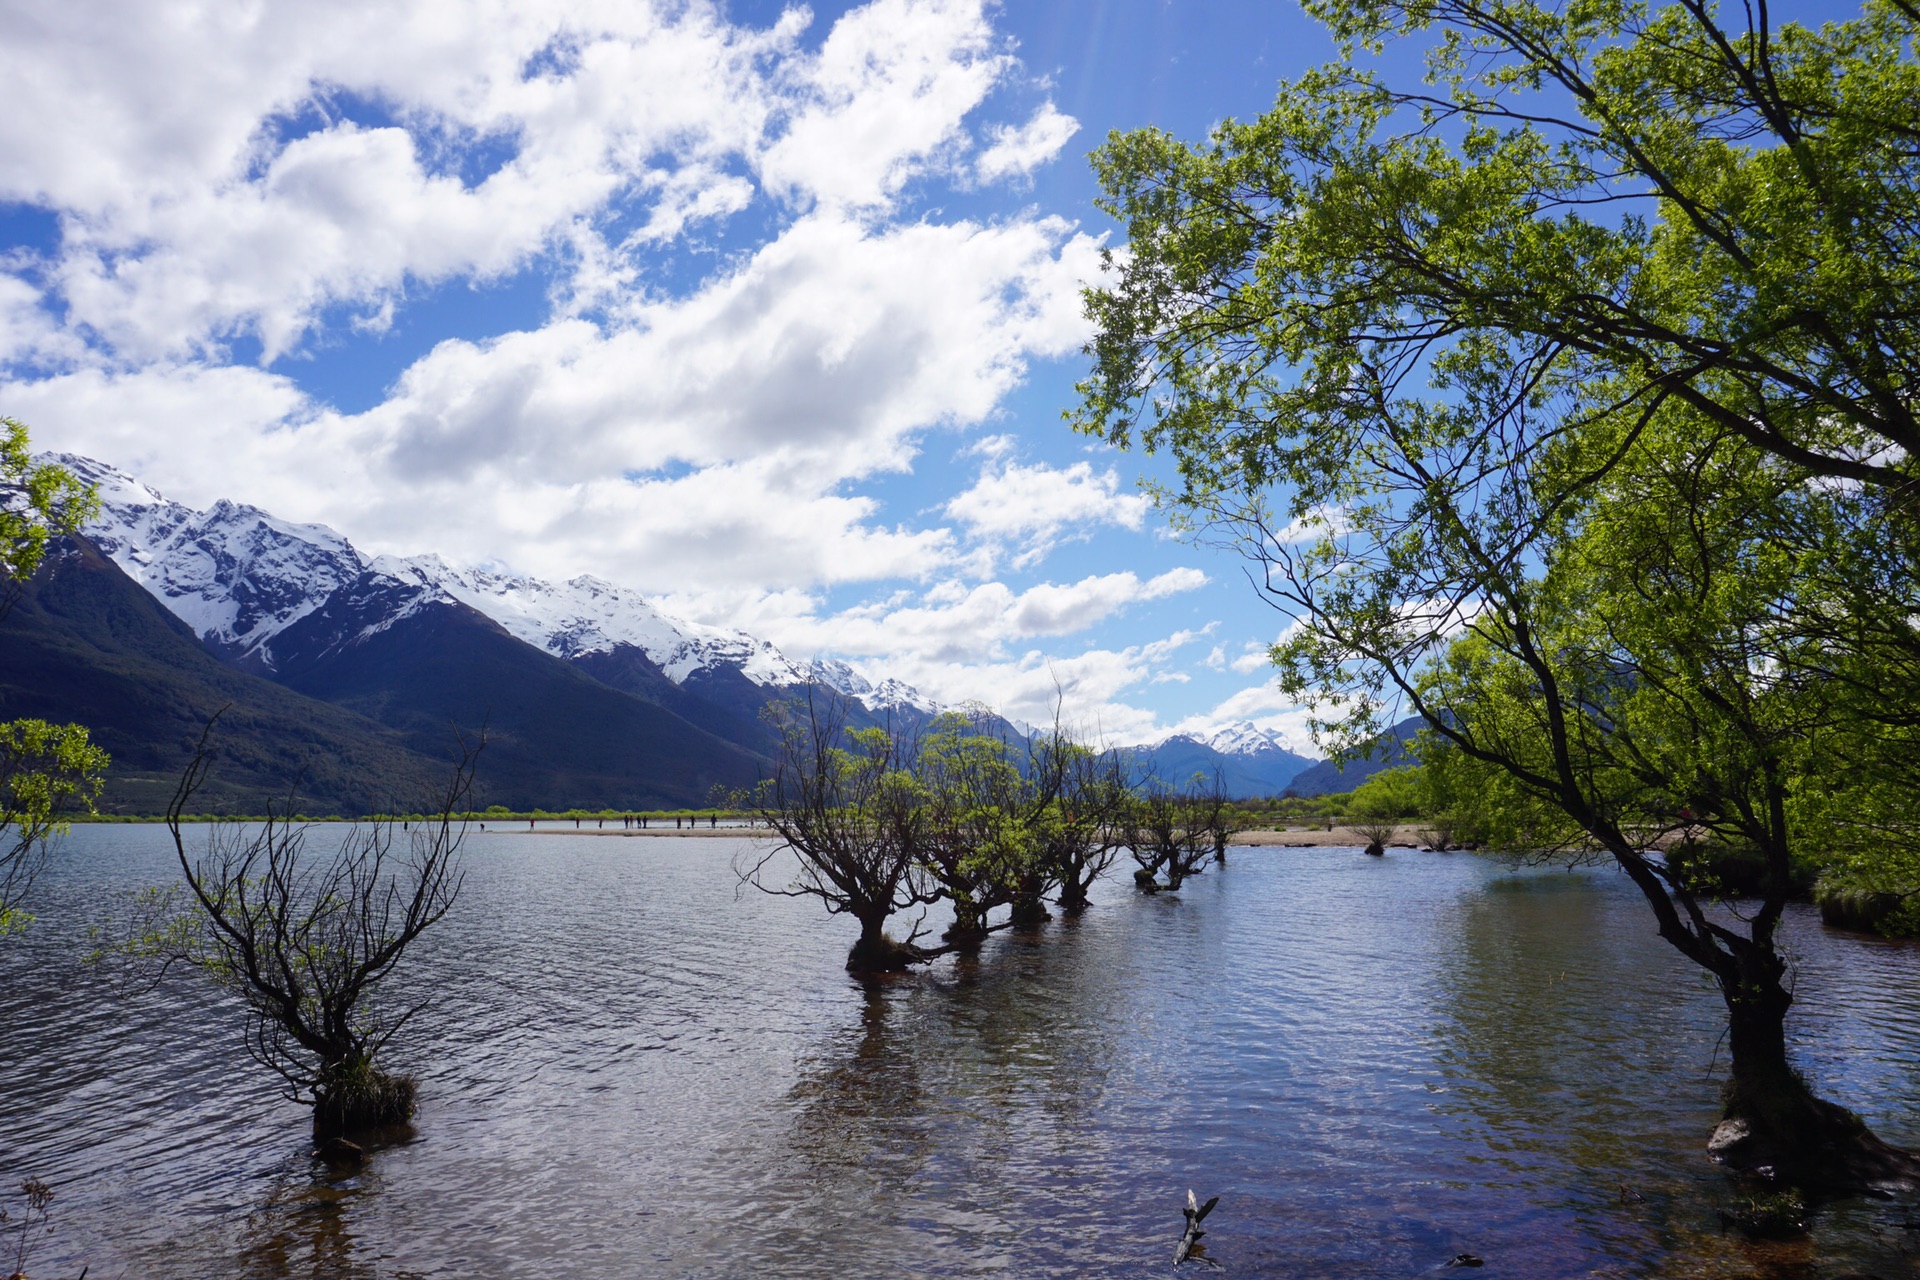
<point>1782,1132</point>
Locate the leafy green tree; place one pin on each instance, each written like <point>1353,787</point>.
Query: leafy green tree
<point>844,802</point>
<point>45,770</point>
<point>1174,831</point>
<point>38,502</point>
<point>980,843</point>
<point>1563,368</point>
<point>1080,797</point>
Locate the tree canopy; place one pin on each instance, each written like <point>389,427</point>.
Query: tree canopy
<point>1568,397</point>
<point>45,769</point>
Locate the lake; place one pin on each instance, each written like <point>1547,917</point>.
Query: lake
<point>633,1067</point>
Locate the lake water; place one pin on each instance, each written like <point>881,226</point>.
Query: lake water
<point>634,1068</point>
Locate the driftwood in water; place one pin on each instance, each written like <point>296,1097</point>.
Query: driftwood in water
<point>1195,1212</point>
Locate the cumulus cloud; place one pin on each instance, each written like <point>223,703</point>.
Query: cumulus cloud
<point>213,182</point>
<point>882,101</point>
<point>1037,504</point>
<point>816,362</point>
<point>696,415</point>
<point>1017,151</point>
<point>955,621</point>
<point>1252,658</point>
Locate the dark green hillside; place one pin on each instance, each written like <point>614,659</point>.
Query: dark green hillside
<point>725,704</point>
<point>557,737</point>
<point>88,644</point>
<point>1391,749</point>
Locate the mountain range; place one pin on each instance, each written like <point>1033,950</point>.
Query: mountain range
<point>354,673</point>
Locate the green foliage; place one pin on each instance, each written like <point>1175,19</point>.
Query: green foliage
<point>46,771</point>
<point>37,504</point>
<point>1568,400</point>
<point>1392,794</point>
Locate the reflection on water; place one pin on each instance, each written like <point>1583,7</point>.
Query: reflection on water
<point>631,1069</point>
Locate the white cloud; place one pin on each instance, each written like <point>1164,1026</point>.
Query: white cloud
<point>1091,685</point>
<point>883,100</point>
<point>1252,659</point>
<point>209,186</point>
<point>700,411</point>
<point>1038,504</point>
<point>954,622</point>
<point>1019,151</point>
<point>818,361</point>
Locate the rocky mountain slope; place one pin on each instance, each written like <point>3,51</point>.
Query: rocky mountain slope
<point>597,681</point>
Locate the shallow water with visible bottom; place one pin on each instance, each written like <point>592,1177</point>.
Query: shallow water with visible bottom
<point>632,1067</point>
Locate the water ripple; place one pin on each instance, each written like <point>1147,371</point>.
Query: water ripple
<point>630,1068</point>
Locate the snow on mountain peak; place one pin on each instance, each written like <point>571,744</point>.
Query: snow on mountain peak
<point>1241,738</point>
<point>1245,738</point>
<point>239,576</point>
<point>235,574</point>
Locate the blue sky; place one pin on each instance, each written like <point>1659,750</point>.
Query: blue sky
<point>770,312</point>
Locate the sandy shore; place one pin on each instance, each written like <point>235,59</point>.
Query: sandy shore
<point>1320,838</point>
<point>684,833</point>
<point>1338,838</point>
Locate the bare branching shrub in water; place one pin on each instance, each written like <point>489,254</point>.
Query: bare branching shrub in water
<point>22,1227</point>
<point>304,938</point>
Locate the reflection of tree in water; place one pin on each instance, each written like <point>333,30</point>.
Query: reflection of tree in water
<point>858,1107</point>
<point>1569,1044</point>
<point>909,1127</point>
<point>305,1229</point>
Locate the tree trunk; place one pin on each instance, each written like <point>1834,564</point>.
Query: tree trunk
<point>1774,1124</point>
<point>1028,910</point>
<point>353,1096</point>
<point>969,927</point>
<point>1073,897</point>
<point>875,952</point>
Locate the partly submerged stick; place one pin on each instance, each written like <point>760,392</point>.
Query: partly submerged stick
<point>1195,1212</point>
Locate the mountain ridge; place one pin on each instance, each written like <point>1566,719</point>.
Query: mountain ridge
<point>284,600</point>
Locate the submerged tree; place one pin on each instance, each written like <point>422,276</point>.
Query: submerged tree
<point>1175,831</point>
<point>1079,826</point>
<point>884,821</point>
<point>844,803</point>
<point>304,938</point>
<point>976,842</point>
<point>1592,494</point>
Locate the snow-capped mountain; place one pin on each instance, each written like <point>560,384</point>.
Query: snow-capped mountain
<point>1243,738</point>
<point>241,577</point>
<point>273,596</point>
<point>1249,759</point>
<point>233,573</point>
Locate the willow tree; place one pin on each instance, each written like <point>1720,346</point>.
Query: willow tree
<point>46,770</point>
<point>844,803</point>
<point>1409,345</point>
<point>305,940</point>
<point>978,843</point>
<point>1174,831</point>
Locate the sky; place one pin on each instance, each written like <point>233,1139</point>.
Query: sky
<point>771,312</point>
